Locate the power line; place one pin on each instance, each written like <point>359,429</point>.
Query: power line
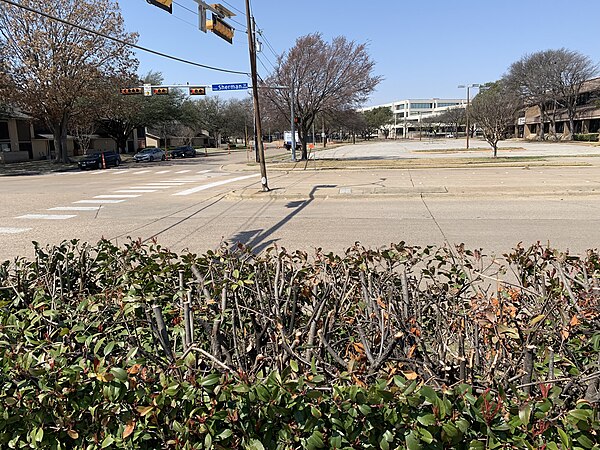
<point>243,13</point>
<point>122,42</point>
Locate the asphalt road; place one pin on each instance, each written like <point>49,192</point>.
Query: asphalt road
<point>199,204</point>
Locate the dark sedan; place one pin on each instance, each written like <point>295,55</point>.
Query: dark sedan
<point>94,160</point>
<point>183,152</point>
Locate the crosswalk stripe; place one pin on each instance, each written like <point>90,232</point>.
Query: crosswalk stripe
<point>151,186</point>
<point>163,171</point>
<point>117,196</point>
<point>100,201</point>
<point>215,184</point>
<point>47,216</point>
<point>134,191</point>
<point>140,172</point>
<point>10,230</point>
<point>74,208</point>
<point>184,171</point>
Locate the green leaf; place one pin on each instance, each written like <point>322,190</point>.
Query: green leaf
<point>384,444</point>
<point>225,434</point>
<point>294,365</point>
<point>208,441</point>
<point>315,412</point>
<point>585,441</point>
<point>450,430</point>
<point>109,348</point>
<point>39,435</point>
<point>119,373</point>
<point>255,444</point>
<point>364,409</point>
<point>108,441</point>
<point>210,380</point>
<point>427,419</point>
<point>581,414</point>
<point>412,442</point>
<point>525,414</point>
<point>316,440</point>
<point>564,438</point>
<point>425,435</point>
<point>476,445</point>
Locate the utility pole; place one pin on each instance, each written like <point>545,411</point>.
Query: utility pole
<point>468,86</point>
<point>293,122</point>
<point>259,140</point>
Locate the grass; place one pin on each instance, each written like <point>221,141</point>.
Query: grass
<point>424,163</point>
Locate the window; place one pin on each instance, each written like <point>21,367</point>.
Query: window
<point>421,105</point>
<point>443,105</point>
<point>400,106</point>
<point>4,136</point>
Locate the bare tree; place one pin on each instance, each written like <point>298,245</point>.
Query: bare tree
<point>453,117</point>
<point>326,77</point>
<point>551,79</point>
<point>572,70</point>
<point>52,64</point>
<point>494,110</point>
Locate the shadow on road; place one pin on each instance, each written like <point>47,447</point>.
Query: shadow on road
<point>258,240</point>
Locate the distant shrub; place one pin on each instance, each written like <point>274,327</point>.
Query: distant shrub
<point>589,137</point>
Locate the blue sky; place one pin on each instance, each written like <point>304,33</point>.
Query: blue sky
<point>422,49</point>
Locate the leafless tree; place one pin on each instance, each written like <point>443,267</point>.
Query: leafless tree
<point>326,77</point>
<point>51,64</point>
<point>453,117</point>
<point>494,110</point>
<point>551,79</point>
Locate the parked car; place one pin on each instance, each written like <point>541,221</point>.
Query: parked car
<point>94,160</point>
<point>183,152</point>
<point>150,154</point>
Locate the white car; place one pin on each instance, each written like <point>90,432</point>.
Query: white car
<point>150,154</point>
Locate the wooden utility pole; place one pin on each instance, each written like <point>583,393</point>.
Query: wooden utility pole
<point>252,49</point>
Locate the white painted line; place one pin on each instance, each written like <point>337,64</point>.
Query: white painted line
<point>47,216</point>
<point>119,172</point>
<point>151,186</point>
<point>203,171</point>
<point>74,208</point>
<point>140,171</point>
<point>8,230</point>
<point>215,184</point>
<point>99,201</point>
<point>169,183</point>
<point>184,171</point>
<point>163,171</point>
<point>117,196</point>
<point>134,191</point>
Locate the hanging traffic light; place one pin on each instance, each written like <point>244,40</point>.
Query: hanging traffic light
<point>220,28</point>
<point>167,5</point>
<point>297,120</point>
<point>160,91</point>
<point>197,91</point>
<point>131,91</point>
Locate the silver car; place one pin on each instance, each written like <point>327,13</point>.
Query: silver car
<point>150,154</point>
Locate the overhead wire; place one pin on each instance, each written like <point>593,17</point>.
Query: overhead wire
<point>122,42</point>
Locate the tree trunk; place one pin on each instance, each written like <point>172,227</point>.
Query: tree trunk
<point>495,150</point>
<point>542,117</point>
<point>59,132</point>
<point>571,126</point>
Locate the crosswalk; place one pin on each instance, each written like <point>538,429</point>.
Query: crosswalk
<point>176,180</point>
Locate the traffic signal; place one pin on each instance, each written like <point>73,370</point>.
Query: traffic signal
<point>167,5</point>
<point>197,91</point>
<point>160,91</point>
<point>220,28</point>
<point>297,120</point>
<point>132,91</point>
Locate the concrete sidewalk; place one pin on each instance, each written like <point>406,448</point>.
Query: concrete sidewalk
<point>499,181</point>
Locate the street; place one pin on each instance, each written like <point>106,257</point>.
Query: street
<point>198,204</point>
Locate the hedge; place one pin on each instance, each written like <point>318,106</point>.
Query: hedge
<point>589,137</point>
<point>403,347</point>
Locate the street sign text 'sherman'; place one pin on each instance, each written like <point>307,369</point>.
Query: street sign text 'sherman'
<point>229,87</point>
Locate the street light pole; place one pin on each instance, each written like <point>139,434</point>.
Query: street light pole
<point>468,86</point>
<point>259,139</point>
